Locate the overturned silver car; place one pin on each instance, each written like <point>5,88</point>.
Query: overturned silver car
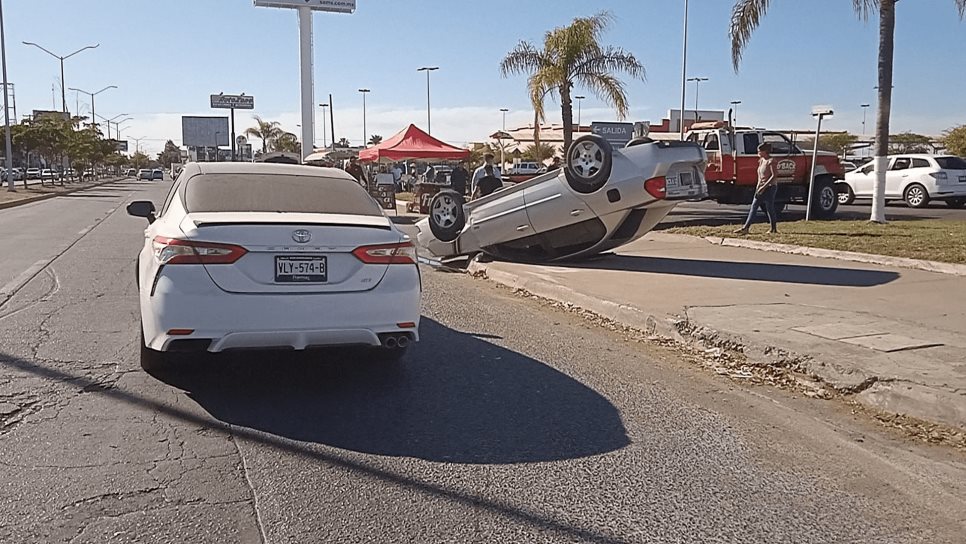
<point>601,199</point>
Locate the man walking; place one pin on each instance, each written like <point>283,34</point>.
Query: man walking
<point>459,177</point>
<point>481,171</point>
<point>355,170</point>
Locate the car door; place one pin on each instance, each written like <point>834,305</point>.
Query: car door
<point>897,177</point>
<point>862,181</point>
<point>500,217</point>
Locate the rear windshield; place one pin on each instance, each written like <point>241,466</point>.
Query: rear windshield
<point>951,163</point>
<point>277,193</point>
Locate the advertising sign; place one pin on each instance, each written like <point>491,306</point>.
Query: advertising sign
<point>121,145</point>
<point>205,131</point>
<point>617,134</point>
<point>336,6</point>
<point>233,101</point>
<point>385,195</point>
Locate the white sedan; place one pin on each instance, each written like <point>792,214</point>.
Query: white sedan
<point>914,178</point>
<point>245,255</point>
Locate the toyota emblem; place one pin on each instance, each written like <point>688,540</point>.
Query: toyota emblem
<point>302,236</point>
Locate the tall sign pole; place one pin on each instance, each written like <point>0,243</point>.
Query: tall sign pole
<point>233,102</point>
<point>305,9</point>
<point>6,107</point>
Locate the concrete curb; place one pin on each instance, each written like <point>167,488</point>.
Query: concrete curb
<point>876,392</point>
<point>868,258</point>
<point>38,198</point>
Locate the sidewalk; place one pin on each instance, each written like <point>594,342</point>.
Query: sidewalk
<point>892,337</point>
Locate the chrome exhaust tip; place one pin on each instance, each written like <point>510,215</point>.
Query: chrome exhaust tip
<point>403,341</point>
<point>390,342</point>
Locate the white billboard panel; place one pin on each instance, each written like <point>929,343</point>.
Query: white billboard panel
<point>336,6</point>
<point>205,131</point>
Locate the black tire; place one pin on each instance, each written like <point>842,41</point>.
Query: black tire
<point>446,215</point>
<point>845,194</point>
<point>956,203</point>
<point>825,200</point>
<point>152,361</point>
<point>780,207</point>
<point>916,196</point>
<point>588,165</point>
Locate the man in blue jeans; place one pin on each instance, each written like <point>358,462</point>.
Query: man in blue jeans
<point>764,191</point>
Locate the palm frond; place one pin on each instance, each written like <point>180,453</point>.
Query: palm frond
<point>524,58</point>
<point>961,8</point>
<point>864,8</point>
<point>611,59</point>
<point>745,18</point>
<point>610,90</point>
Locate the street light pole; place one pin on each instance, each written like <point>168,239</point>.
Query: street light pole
<point>365,133</point>
<point>579,99</point>
<point>93,112</point>
<point>735,104</point>
<point>865,109</point>
<point>63,83</point>
<point>8,162</point>
<point>697,89</point>
<point>502,132</point>
<point>324,144</point>
<point>429,121</point>
<point>684,68</point>
<point>117,127</point>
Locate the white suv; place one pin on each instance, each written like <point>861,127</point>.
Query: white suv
<point>915,178</point>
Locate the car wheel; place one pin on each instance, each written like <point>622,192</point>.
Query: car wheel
<point>956,203</point>
<point>446,215</point>
<point>916,196</point>
<point>589,161</point>
<point>825,200</point>
<point>151,360</point>
<point>845,195</point>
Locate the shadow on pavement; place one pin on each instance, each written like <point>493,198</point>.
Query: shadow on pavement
<point>126,399</point>
<point>779,273</point>
<point>454,399</point>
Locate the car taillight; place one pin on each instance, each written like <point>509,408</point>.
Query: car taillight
<point>656,187</point>
<point>940,176</point>
<point>174,251</point>
<point>402,253</point>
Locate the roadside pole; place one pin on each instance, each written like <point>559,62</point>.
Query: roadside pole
<point>820,112</point>
<point>331,119</point>
<point>6,108</point>
<point>233,134</point>
<point>308,86</point>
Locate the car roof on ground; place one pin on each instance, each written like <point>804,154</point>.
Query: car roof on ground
<point>264,168</point>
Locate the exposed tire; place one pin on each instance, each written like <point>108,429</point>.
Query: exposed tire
<point>916,196</point>
<point>845,194</point>
<point>152,361</point>
<point>825,200</point>
<point>956,203</point>
<point>446,215</point>
<point>588,165</point>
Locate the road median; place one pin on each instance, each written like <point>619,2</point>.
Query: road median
<point>31,194</point>
<point>864,333</point>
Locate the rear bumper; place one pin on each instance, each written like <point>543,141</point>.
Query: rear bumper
<point>949,191</point>
<point>296,321</point>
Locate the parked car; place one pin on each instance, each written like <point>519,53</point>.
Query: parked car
<point>48,174</point>
<point>33,173</point>
<point>157,174</point>
<point>526,168</point>
<point>245,255</point>
<point>130,172</point>
<point>602,199</point>
<point>915,178</point>
<point>145,174</point>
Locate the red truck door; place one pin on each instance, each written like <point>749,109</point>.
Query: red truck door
<point>792,164</point>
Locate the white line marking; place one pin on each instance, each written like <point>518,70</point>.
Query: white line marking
<point>18,282</point>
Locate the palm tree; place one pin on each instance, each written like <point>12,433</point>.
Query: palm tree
<point>375,139</point>
<point>573,56</point>
<point>266,131</point>
<point>745,18</point>
<point>287,142</point>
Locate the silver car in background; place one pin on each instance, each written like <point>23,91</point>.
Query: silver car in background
<point>603,198</point>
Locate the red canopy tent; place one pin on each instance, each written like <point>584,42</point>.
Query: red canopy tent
<point>412,143</point>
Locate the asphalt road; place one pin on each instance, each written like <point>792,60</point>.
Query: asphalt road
<point>510,422</point>
<point>712,213</point>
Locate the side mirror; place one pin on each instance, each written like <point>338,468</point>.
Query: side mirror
<point>142,208</point>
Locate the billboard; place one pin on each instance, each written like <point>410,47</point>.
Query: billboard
<point>617,134</point>
<point>204,131</point>
<point>233,101</point>
<point>337,6</point>
<point>121,145</point>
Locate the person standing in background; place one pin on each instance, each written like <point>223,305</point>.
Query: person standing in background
<point>459,177</point>
<point>355,170</point>
<point>481,171</point>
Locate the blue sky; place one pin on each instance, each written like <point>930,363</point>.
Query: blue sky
<point>167,57</point>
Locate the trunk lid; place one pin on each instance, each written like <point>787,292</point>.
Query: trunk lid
<point>270,242</point>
